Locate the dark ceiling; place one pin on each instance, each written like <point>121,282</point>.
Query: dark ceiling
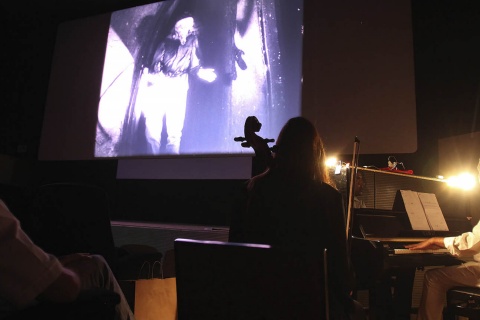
<point>59,10</point>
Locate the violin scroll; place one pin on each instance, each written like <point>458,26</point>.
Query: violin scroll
<point>253,140</point>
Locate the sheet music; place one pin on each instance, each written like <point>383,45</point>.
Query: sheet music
<point>423,211</point>
<point>415,211</point>
<point>433,212</point>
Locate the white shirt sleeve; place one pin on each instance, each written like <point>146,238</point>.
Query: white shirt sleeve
<point>465,245</point>
<point>25,269</point>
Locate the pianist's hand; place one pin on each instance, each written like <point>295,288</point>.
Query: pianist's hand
<point>429,244</point>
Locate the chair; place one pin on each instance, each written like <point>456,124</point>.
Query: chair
<point>72,217</point>
<point>224,280</point>
<point>464,302</point>
<point>75,217</point>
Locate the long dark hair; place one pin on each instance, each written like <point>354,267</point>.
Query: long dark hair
<point>300,149</point>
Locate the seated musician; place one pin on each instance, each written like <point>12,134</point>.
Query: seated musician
<point>437,281</point>
<point>293,204</point>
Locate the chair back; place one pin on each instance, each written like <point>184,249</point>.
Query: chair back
<point>73,217</point>
<point>225,280</point>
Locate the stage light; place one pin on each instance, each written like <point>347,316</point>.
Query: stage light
<point>331,162</point>
<point>466,181</point>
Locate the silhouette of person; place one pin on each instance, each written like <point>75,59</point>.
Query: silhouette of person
<point>294,205</point>
<point>164,85</point>
<point>29,274</point>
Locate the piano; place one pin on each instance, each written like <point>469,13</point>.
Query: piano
<point>381,229</point>
<point>379,236</point>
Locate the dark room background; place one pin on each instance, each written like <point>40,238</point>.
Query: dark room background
<point>446,37</point>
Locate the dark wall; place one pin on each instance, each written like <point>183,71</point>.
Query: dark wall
<point>447,71</point>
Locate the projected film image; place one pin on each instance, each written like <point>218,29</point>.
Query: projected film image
<point>181,76</point>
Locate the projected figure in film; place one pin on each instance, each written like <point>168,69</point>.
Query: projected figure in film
<point>164,86</point>
<point>237,40</point>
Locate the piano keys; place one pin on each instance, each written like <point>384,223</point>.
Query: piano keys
<point>397,246</point>
<point>396,251</point>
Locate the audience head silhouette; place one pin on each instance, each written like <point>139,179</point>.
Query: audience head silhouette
<point>300,149</point>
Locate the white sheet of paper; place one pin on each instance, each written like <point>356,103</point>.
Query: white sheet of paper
<point>433,212</point>
<point>415,211</point>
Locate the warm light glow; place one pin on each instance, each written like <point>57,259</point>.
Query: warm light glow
<point>331,162</point>
<point>466,181</point>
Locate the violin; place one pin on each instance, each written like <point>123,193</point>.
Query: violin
<point>263,152</point>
